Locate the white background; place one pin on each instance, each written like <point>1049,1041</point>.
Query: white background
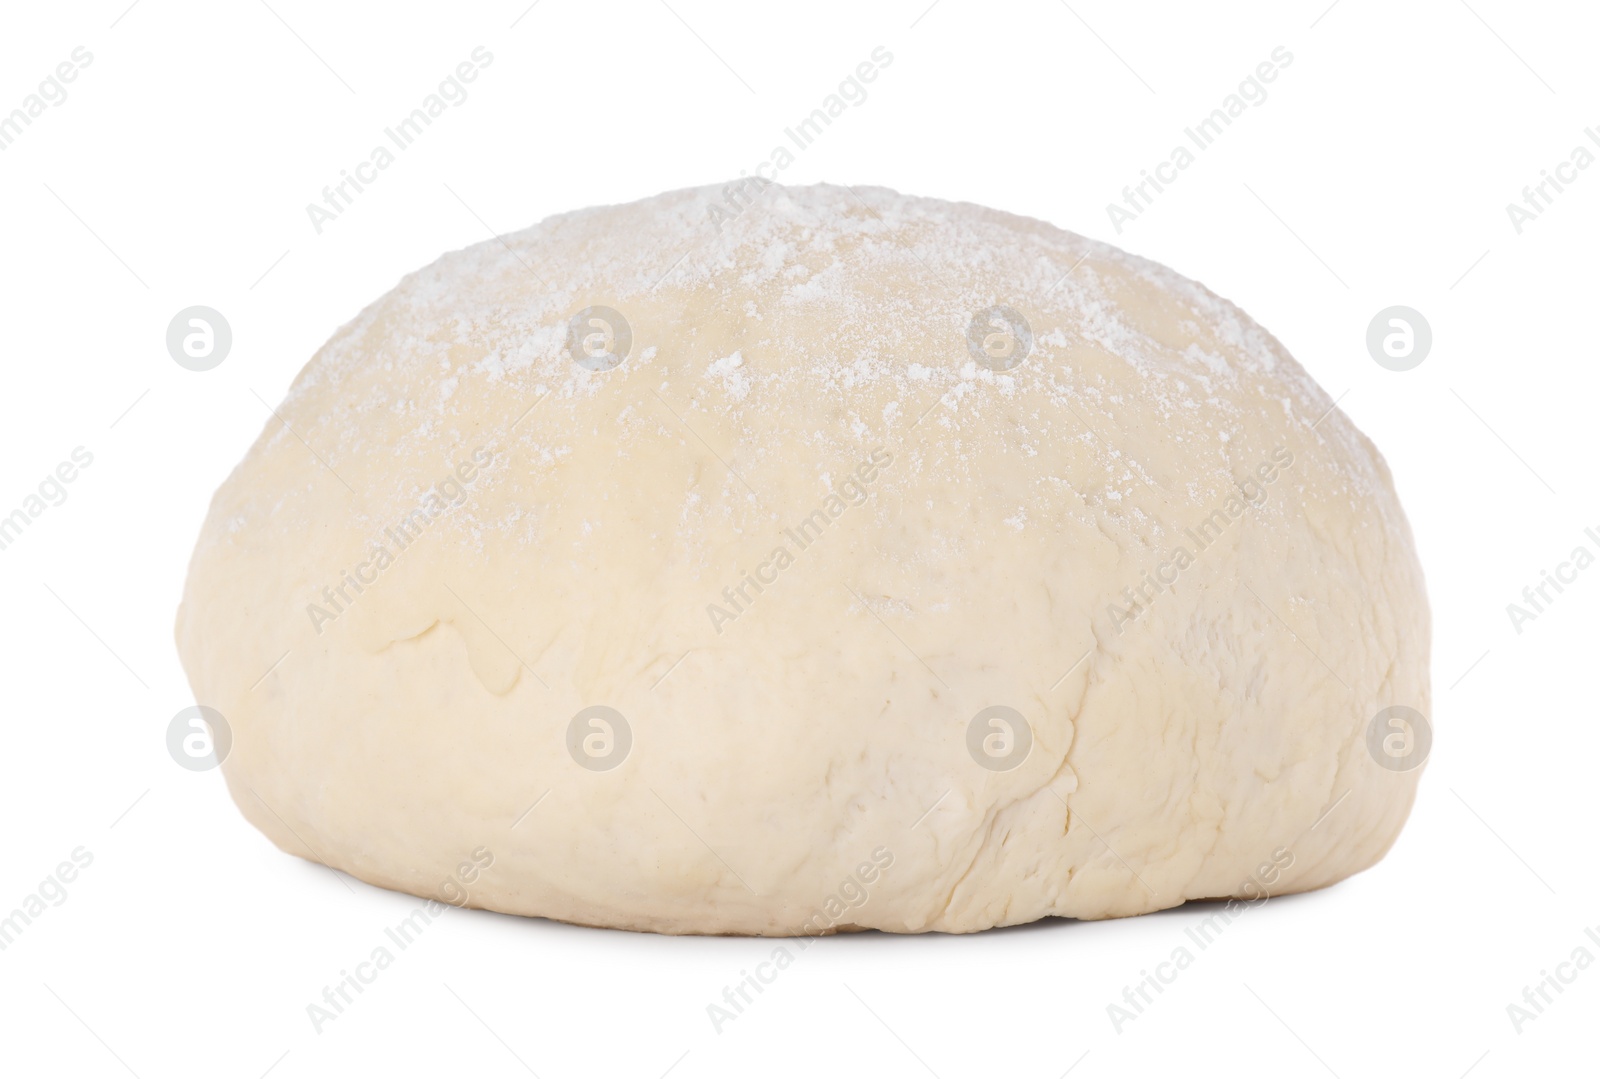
<point>1376,173</point>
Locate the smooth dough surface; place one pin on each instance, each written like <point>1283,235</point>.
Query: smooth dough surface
<point>803,749</point>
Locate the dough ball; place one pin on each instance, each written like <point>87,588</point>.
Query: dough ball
<point>787,560</point>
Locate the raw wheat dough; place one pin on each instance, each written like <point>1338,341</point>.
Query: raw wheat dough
<point>810,760</point>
